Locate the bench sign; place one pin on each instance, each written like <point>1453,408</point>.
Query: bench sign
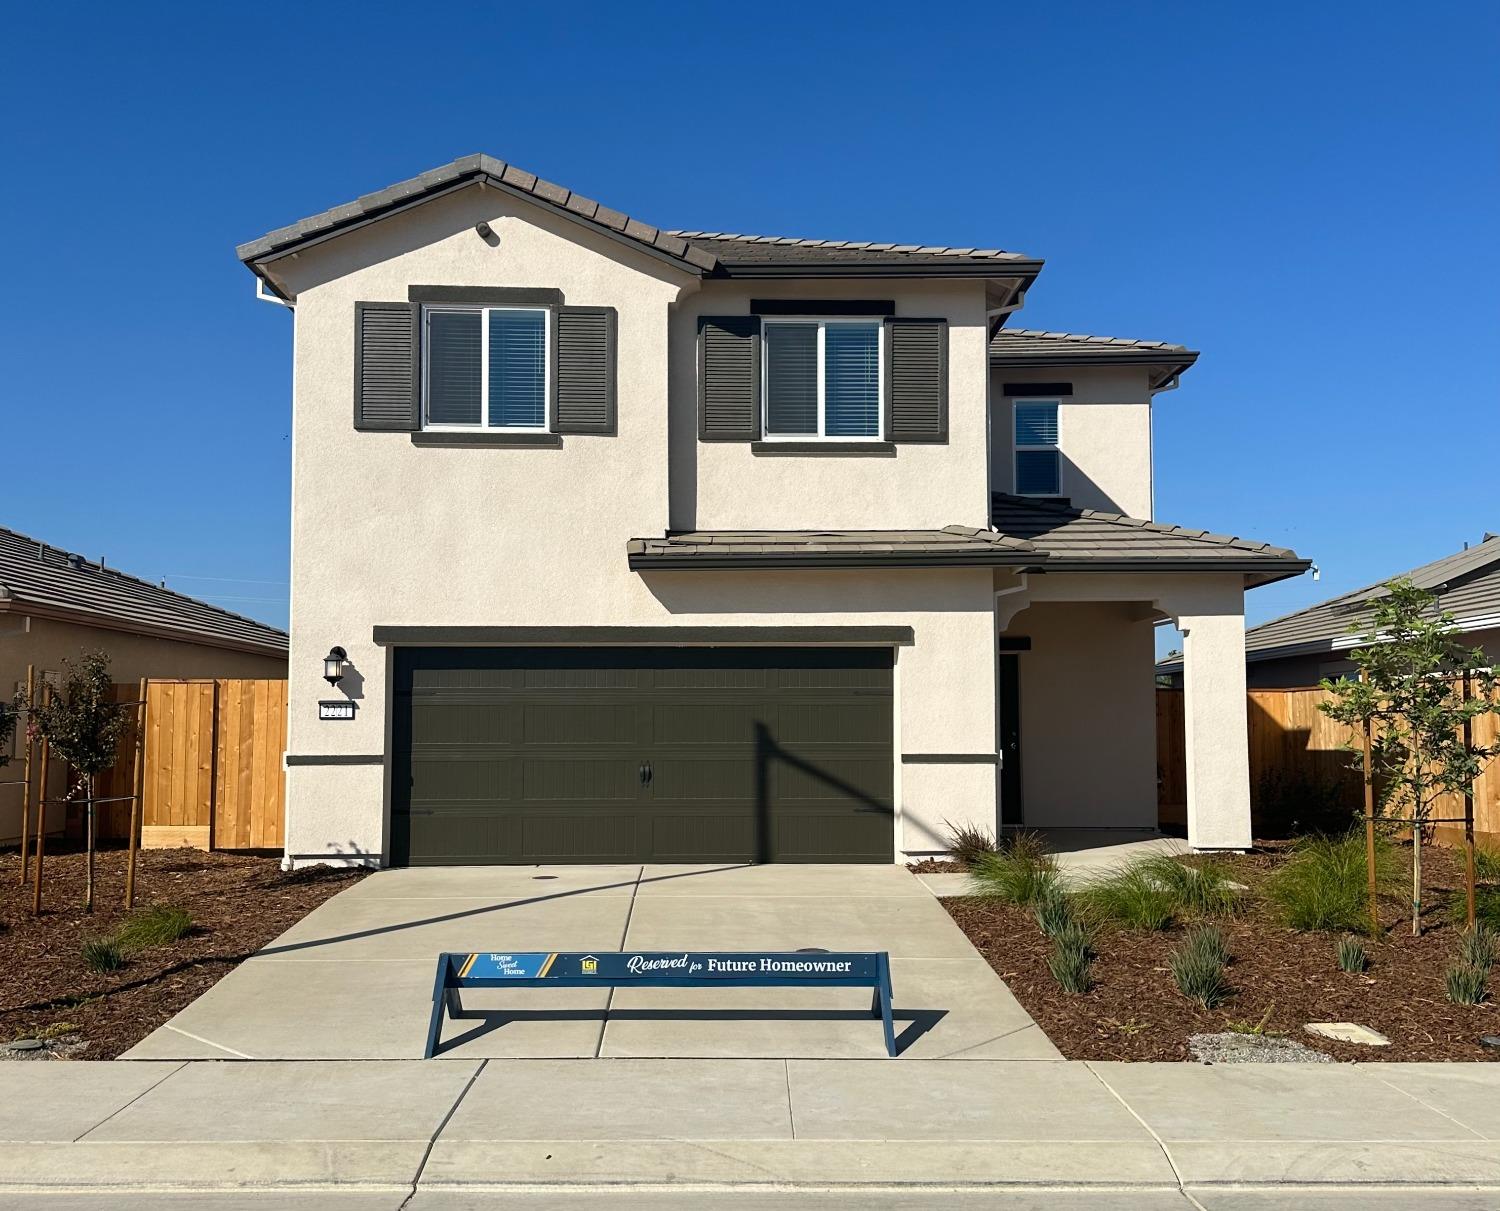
<point>659,969</point>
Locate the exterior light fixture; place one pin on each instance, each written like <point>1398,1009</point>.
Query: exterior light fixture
<point>333,665</point>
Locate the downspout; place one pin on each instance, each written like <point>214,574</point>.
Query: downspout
<point>1170,385</point>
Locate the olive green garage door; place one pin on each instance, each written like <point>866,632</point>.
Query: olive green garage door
<point>642,754</point>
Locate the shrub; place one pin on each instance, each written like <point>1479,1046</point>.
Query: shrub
<point>1053,912</point>
<point>1465,983</point>
<point>103,955</point>
<point>1198,967</point>
<point>1020,872</point>
<point>1323,884</point>
<point>1487,864</point>
<point>1131,896</point>
<point>1352,955</point>
<point>154,926</point>
<point>1201,888</point>
<point>967,843</point>
<point>1072,959</point>
<point>1476,947</point>
<point>1288,804</point>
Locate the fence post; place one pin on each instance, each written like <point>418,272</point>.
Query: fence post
<point>26,771</point>
<point>41,814</point>
<point>138,801</point>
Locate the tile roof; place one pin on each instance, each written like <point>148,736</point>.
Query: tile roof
<point>1092,540</point>
<point>1027,534</point>
<point>732,250</point>
<point>1034,347</point>
<point>703,253</point>
<point>1467,585</point>
<point>952,545</point>
<point>46,580</point>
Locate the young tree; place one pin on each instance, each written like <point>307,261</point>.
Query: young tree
<point>83,726</point>
<point>1419,686</point>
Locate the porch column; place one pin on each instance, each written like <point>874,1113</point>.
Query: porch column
<point>1212,621</point>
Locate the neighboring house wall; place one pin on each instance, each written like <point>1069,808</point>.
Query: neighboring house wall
<point>1104,433</point>
<point>1088,716</point>
<point>731,486</point>
<point>386,532</point>
<point>48,642</point>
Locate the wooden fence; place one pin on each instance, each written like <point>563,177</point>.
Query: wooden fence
<point>1294,745</point>
<point>213,776</point>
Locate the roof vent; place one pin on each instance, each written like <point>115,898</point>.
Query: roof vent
<point>75,562</point>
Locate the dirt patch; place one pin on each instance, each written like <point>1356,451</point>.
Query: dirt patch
<point>937,866</point>
<point>238,903</point>
<point>1286,978</point>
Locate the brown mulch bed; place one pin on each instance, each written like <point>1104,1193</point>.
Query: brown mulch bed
<point>1135,1012</point>
<point>238,903</point>
<point>937,866</point>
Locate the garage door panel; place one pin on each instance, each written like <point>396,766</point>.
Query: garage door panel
<point>582,780</point>
<point>537,755</point>
<point>720,723</point>
<point>841,778</point>
<point>450,723</point>
<point>814,723</point>
<point>449,777</point>
<point>578,837</point>
<point>702,838</point>
<point>583,724</point>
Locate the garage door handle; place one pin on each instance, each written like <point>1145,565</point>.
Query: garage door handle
<point>646,773</point>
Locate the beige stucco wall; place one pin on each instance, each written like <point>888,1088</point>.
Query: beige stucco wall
<point>1104,433</point>
<point>1088,716</point>
<point>388,533</point>
<point>727,486</point>
<point>45,643</point>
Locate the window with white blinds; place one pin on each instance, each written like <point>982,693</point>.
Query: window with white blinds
<point>1038,459</point>
<point>822,379</point>
<point>486,368</point>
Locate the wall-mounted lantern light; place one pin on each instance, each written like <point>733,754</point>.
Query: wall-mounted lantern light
<point>333,665</point>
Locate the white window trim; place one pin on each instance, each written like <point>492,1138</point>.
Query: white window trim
<point>823,321</point>
<point>484,426</point>
<point>1017,448</point>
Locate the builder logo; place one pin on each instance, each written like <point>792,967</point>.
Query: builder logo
<point>589,965</point>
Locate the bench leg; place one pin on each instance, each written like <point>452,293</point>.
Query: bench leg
<point>441,992</point>
<point>883,996</point>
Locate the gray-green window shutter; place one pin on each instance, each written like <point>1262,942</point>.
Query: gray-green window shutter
<point>388,366</point>
<point>916,400</point>
<point>586,370</point>
<point>729,378</point>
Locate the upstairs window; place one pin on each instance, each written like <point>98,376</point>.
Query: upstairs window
<point>823,379</point>
<point>486,368</point>
<point>1038,460</point>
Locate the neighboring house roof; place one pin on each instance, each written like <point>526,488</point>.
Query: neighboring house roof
<point>704,254</point>
<point>1466,583</point>
<point>44,581</point>
<point>1029,347</point>
<point>1089,540</point>
<point>1027,534</point>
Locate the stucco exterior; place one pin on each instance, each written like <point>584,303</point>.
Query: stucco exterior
<point>1103,432</point>
<point>45,643</point>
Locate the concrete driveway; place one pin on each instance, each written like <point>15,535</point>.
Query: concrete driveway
<point>353,979</point>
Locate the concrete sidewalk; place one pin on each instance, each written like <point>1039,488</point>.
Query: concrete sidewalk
<point>749,1133</point>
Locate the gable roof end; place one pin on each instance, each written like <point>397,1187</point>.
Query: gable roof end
<point>704,254</point>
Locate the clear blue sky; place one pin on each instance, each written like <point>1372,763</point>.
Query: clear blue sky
<point>1305,192</point>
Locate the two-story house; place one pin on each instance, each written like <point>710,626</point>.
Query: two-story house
<point>692,547</point>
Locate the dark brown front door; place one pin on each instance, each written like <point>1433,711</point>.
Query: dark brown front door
<point>521,755</point>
